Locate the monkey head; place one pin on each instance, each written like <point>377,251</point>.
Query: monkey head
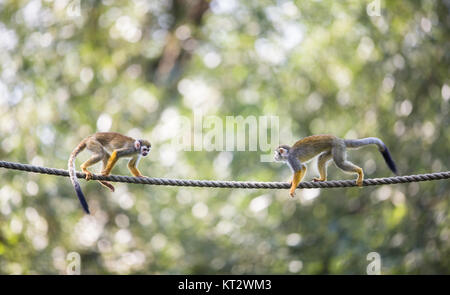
<point>281,153</point>
<point>143,147</point>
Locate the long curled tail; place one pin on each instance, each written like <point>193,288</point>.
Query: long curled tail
<point>73,175</point>
<point>357,143</point>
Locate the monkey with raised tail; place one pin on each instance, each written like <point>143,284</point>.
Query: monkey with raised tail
<point>329,147</point>
<point>107,147</point>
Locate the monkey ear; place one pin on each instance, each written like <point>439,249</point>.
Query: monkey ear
<point>137,144</point>
<point>282,151</point>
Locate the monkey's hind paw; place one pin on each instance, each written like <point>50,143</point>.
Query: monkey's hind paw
<point>359,182</point>
<point>104,173</point>
<point>316,179</point>
<point>88,175</point>
<point>292,194</point>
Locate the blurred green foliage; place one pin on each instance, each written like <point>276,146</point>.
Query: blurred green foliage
<point>133,66</point>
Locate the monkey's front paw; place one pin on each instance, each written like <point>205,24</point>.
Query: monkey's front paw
<point>316,179</point>
<point>292,193</point>
<point>359,182</point>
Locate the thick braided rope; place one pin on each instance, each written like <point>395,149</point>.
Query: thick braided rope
<point>230,184</point>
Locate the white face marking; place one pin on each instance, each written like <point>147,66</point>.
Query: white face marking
<point>276,156</point>
<point>280,154</point>
<point>145,150</point>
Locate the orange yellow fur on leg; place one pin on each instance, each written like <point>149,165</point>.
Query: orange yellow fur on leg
<point>105,163</point>
<point>360,179</point>
<point>136,172</point>
<point>298,176</point>
<point>89,174</point>
<point>111,162</point>
<point>132,167</point>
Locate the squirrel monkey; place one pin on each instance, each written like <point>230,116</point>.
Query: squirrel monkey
<point>329,147</point>
<point>101,144</point>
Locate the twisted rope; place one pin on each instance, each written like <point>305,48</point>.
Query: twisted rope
<point>229,184</point>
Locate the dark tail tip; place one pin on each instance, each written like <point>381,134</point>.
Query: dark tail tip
<point>389,161</point>
<point>82,199</point>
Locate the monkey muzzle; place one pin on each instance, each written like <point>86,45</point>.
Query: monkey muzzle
<point>145,151</point>
<point>276,156</point>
